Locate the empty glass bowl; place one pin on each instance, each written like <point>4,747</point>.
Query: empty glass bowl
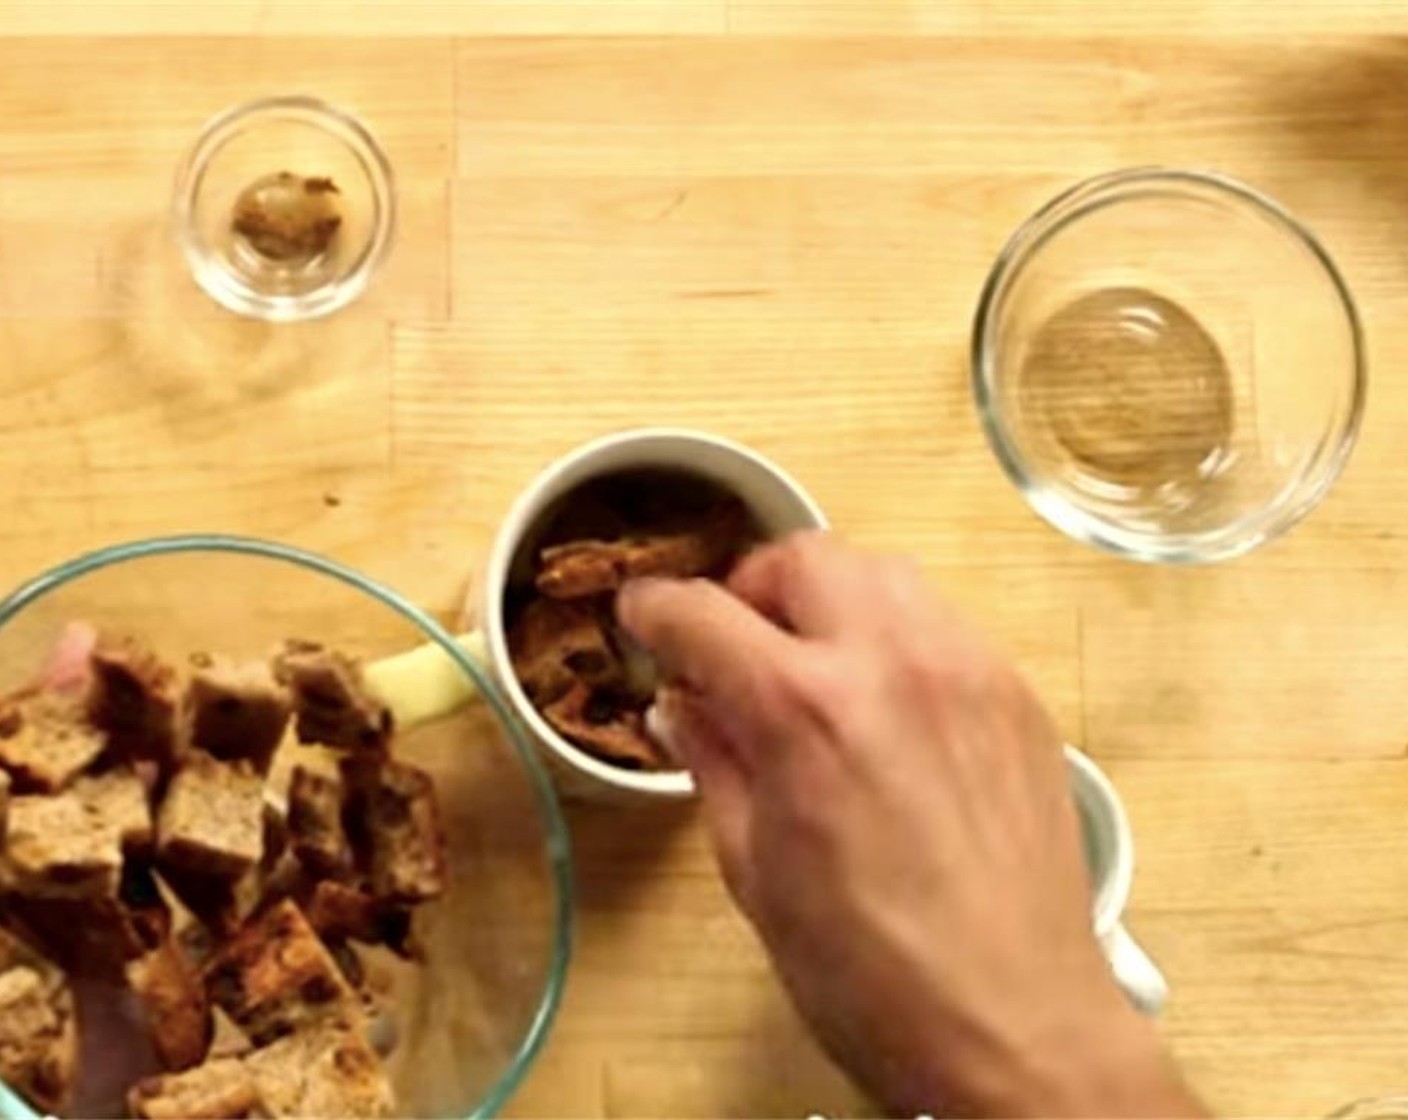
<point>472,1018</point>
<point>1168,365</point>
<point>284,208</point>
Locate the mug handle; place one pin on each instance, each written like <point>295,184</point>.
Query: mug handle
<point>13,1107</point>
<point>425,683</point>
<point>1134,971</point>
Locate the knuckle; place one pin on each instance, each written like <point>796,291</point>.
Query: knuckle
<point>794,686</point>
<point>795,557</point>
<point>808,552</point>
<point>801,690</point>
<point>925,670</point>
<point>828,690</point>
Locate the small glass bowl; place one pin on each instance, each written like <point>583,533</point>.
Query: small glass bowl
<point>1168,365</point>
<point>251,144</point>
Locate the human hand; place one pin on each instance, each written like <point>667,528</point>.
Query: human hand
<point>889,805</point>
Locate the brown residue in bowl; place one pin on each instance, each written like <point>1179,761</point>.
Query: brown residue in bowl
<point>288,218</point>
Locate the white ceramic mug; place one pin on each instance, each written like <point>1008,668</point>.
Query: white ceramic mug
<point>1109,853</point>
<point>776,500</point>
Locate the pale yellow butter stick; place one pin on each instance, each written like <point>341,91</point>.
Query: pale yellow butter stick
<point>425,683</point>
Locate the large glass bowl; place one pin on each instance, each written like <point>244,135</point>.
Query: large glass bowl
<point>471,1020</point>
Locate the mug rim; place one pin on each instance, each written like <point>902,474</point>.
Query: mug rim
<point>675,784</point>
<point>1112,893</point>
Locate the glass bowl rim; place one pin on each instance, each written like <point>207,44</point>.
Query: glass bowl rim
<point>558,839</point>
<point>1226,542</point>
<point>214,134</point>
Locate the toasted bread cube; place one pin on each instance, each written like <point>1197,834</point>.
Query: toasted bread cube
<point>70,845</point>
<point>212,819</point>
<point>4,806</point>
<point>276,976</point>
<point>96,936</point>
<point>46,740</point>
<point>315,805</point>
<point>399,835</point>
<point>221,1089</point>
<point>120,798</point>
<point>340,911</point>
<point>556,642</point>
<point>60,847</point>
<point>38,1027</point>
<point>329,1072</point>
<point>607,729</point>
<point>591,567</point>
<point>135,697</point>
<point>177,1010</point>
<point>331,702</point>
<point>237,711</point>
<point>223,905</point>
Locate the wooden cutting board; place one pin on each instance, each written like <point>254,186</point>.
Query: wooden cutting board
<point>769,219</point>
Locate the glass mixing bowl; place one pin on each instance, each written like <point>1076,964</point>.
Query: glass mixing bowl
<point>471,1020</point>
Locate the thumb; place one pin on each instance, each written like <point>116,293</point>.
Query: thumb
<point>691,733</point>
<point>705,636</point>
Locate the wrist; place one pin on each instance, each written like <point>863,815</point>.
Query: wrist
<point>1076,1049</point>
<point>1109,1062</point>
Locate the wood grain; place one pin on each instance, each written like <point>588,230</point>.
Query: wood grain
<point>769,219</point>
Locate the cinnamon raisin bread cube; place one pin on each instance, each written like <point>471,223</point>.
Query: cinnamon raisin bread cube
<point>321,1072</point>
<point>212,818</point>
<point>221,1089</point>
<point>60,846</point>
<point>136,698</point>
<point>398,832</point>
<point>38,1027</point>
<point>120,797</point>
<point>237,711</point>
<point>46,740</point>
<point>315,808</point>
<point>275,976</point>
<point>331,702</point>
<point>169,988</point>
<point>341,911</point>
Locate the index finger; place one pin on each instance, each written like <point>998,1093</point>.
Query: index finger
<point>707,637</point>
<point>811,583</point>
